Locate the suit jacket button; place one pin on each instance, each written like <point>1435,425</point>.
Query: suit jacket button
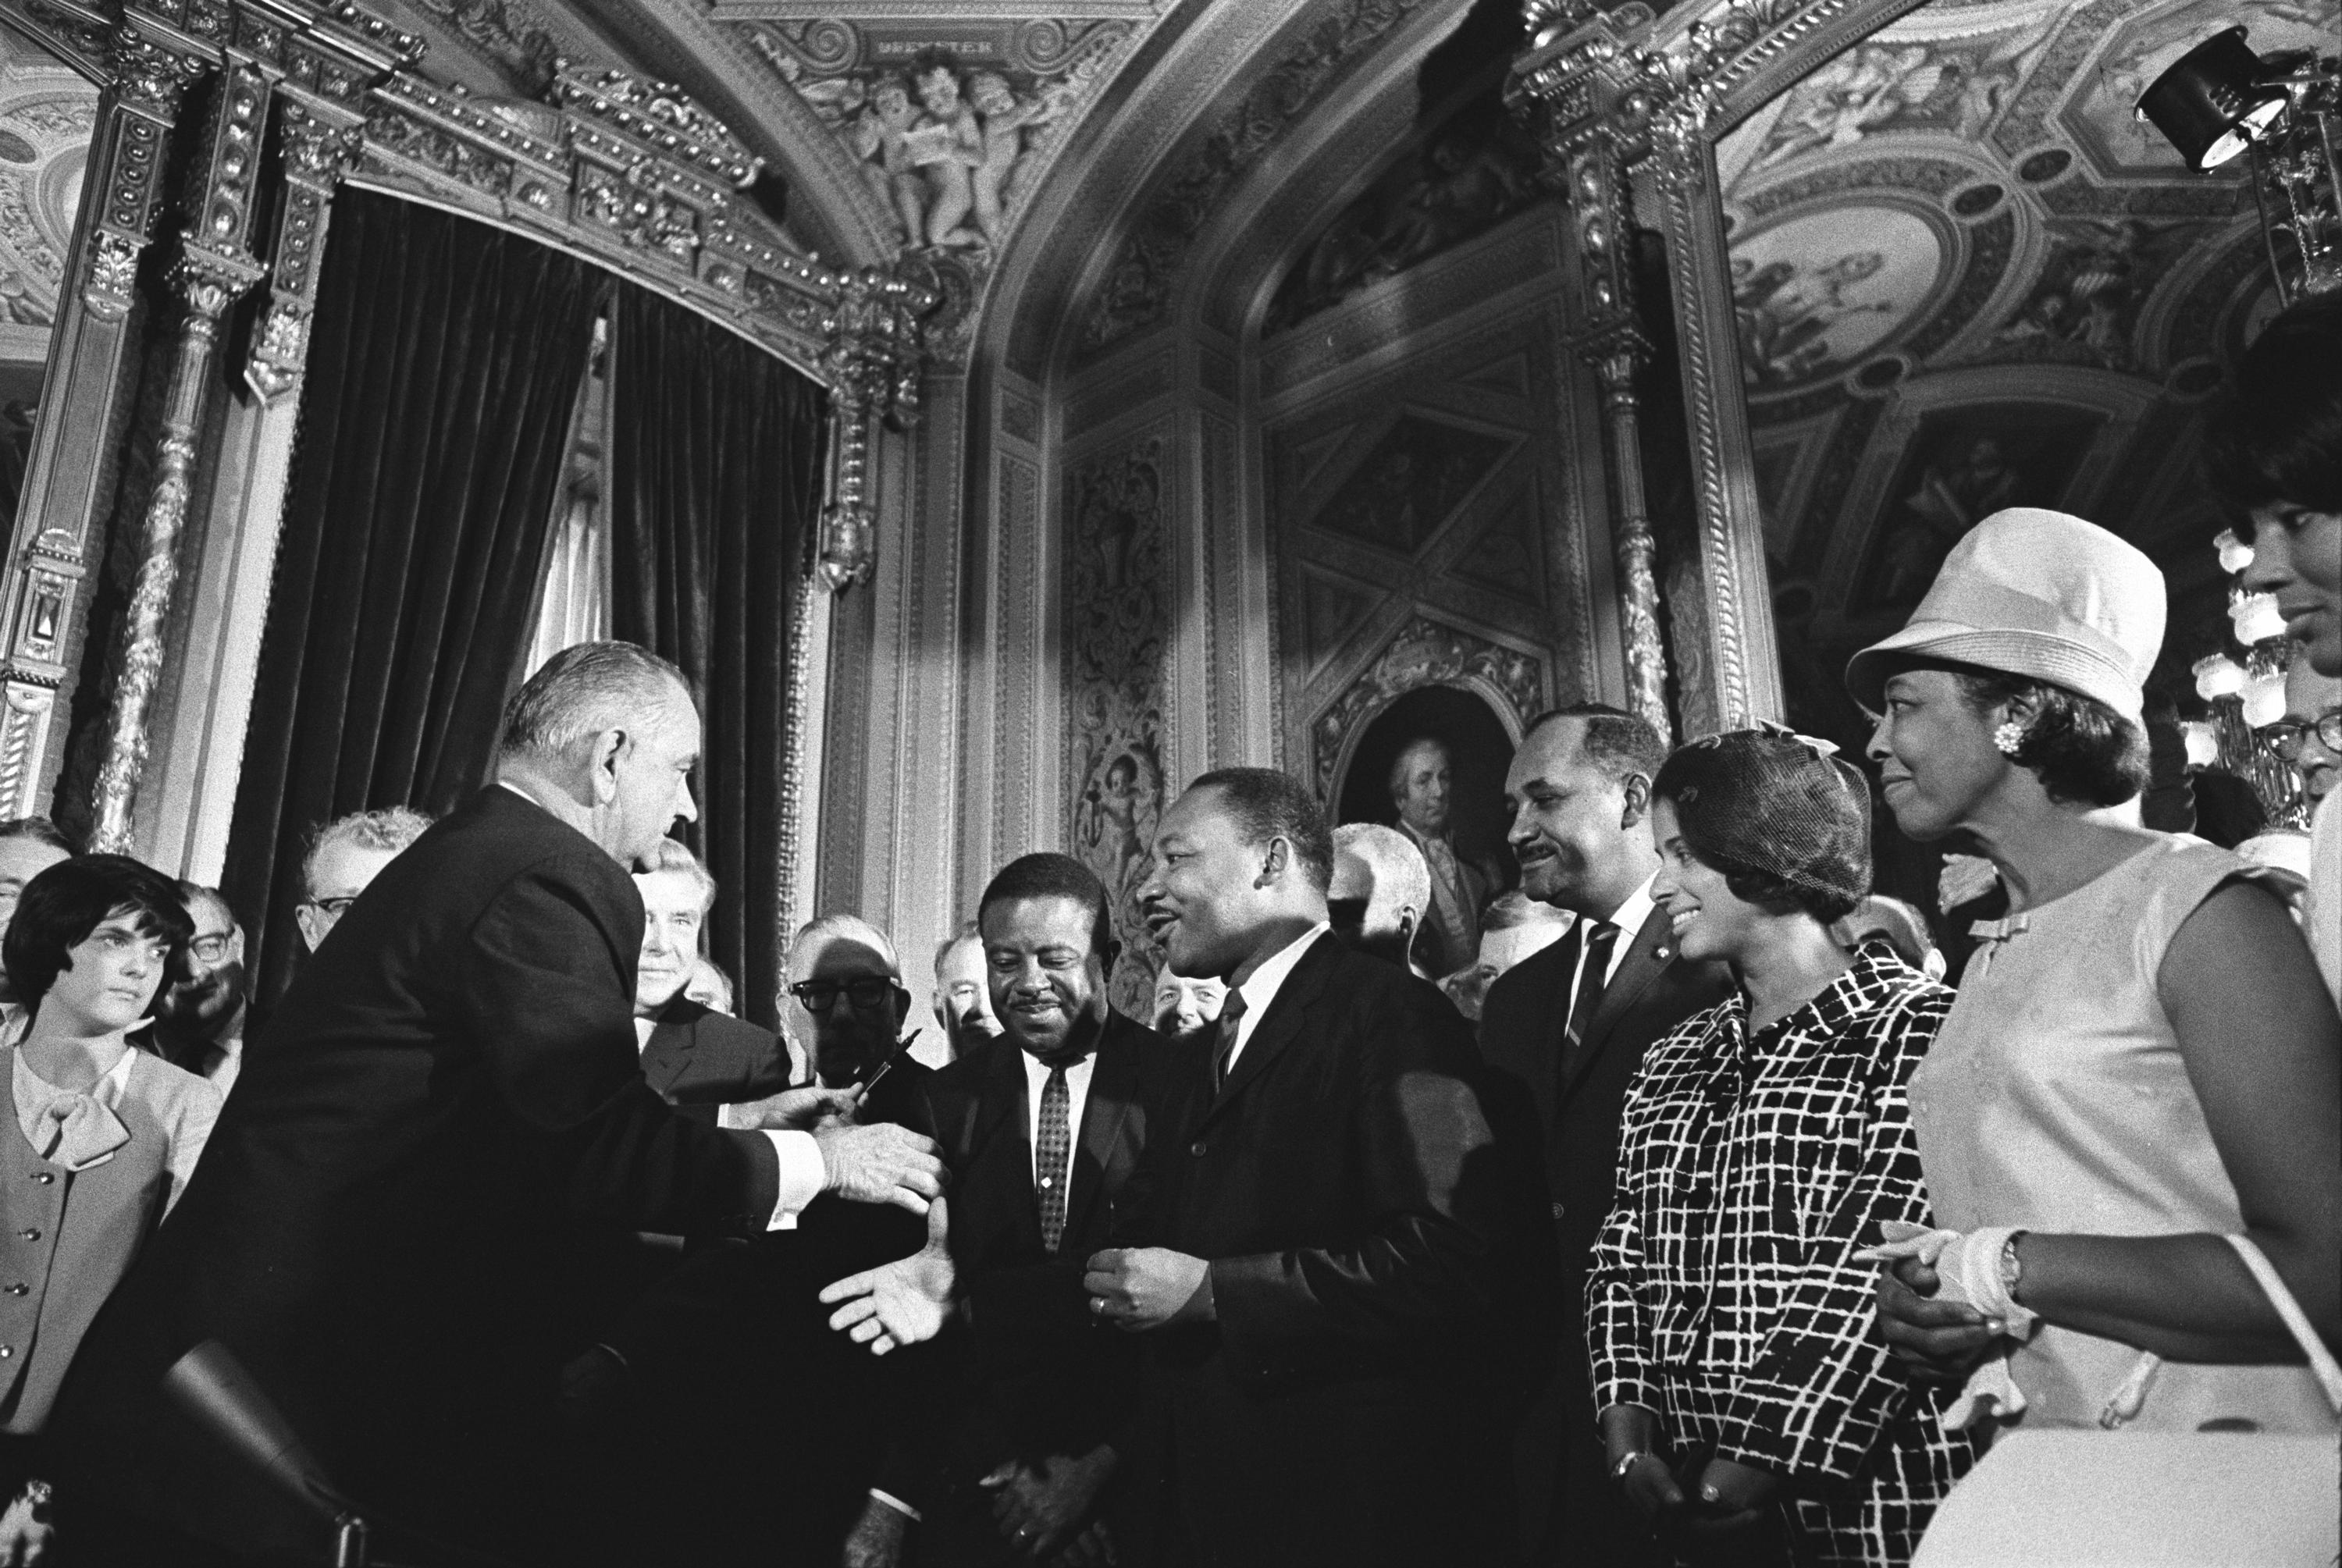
<point>18,1290</point>
<point>44,1178</point>
<point>1196,1149</point>
<point>7,1350</point>
<point>30,1234</point>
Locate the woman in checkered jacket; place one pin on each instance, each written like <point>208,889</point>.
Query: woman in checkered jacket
<point>1749,1411</point>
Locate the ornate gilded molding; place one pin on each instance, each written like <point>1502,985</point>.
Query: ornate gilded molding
<point>871,365</point>
<point>319,148</point>
<point>627,173</point>
<point>1423,653</point>
<point>1611,92</point>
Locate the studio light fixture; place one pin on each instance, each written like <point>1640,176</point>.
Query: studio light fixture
<point>2221,100</point>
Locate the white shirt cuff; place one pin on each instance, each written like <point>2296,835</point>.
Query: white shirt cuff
<point>894,1502</point>
<point>803,1177</point>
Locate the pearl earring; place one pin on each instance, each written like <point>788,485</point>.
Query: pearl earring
<point>2008,737</point>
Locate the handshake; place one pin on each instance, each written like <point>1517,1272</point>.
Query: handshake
<point>880,1164</point>
<point>909,1299</point>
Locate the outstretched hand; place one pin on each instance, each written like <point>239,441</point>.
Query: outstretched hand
<point>906,1301</point>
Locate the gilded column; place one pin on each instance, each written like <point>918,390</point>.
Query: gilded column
<point>92,372</point>
<point>1615,346</point>
<point>215,265</point>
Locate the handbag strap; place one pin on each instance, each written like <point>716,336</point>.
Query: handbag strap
<point>2321,1360</point>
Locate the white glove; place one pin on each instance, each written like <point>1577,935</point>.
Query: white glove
<point>1969,1268</point>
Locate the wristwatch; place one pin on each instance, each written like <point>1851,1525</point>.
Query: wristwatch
<point>1626,1462</point>
<point>2012,1268</point>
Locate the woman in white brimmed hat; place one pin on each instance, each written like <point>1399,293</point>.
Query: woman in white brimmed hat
<point>2141,1058</point>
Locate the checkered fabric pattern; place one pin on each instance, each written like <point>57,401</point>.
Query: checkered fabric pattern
<point>1724,1295</point>
<point>1053,1155</point>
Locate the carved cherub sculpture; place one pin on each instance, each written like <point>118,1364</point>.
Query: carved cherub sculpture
<point>1005,115</point>
<point>947,143</point>
<point>880,137</point>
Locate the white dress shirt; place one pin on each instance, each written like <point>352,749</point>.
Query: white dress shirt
<point>1261,990</point>
<point>803,1175</point>
<point>1078,1094</point>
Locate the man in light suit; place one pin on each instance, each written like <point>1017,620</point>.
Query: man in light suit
<point>1566,1027</point>
<point>453,1074</point>
<point>1324,1235</point>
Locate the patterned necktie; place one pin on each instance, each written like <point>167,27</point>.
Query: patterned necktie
<point>1231,1014</point>
<point>1591,980</point>
<point>1053,1155</point>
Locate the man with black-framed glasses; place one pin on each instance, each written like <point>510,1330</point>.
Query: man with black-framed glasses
<point>345,857</point>
<point>199,1022</point>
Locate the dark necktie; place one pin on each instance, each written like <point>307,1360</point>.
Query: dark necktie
<point>1053,1155</point>
<point>1591,979</point>
<point>1231,1014</point>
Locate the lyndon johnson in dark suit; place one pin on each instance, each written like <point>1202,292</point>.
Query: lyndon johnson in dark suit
<point>1043,1129</point>
<point>1567,1028</point>
<point>1324,1231</point>
<point>454,1064</point>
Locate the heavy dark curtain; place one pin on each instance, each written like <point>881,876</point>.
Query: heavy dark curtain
<point>715,481</point>
<point>444,361</point>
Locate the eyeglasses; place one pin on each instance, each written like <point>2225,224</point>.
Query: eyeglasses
<point>336,906</point>
<point>2287,737</point>
<point>211,949</point>
<point>864,991</point>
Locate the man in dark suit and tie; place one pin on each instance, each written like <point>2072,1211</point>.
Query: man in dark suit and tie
<point>1323,1258</point>
<point>1568,1027</point>
<point>452,1075</point>
<point>1044,1131</point>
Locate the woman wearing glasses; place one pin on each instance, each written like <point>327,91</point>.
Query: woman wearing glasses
<point>107,1134</point>
<point>2275,459</point>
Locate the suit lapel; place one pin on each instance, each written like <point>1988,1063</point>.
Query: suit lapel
<point>1112,1080</point>
<point>1651,953</point>
<point>1282,1023</point>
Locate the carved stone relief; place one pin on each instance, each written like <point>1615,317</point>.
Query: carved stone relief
<point>950,122</point>
<point>1117,627</point>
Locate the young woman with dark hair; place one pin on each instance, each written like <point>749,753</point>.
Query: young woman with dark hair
<point>1749,1412</point>
<point>107,1134</point>
<point>2274,458</point>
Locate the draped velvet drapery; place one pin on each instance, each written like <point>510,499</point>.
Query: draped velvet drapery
<point>444,361</point>
<point>716,472</point>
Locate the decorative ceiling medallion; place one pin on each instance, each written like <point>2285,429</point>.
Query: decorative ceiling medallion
<point>1816,292</point>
